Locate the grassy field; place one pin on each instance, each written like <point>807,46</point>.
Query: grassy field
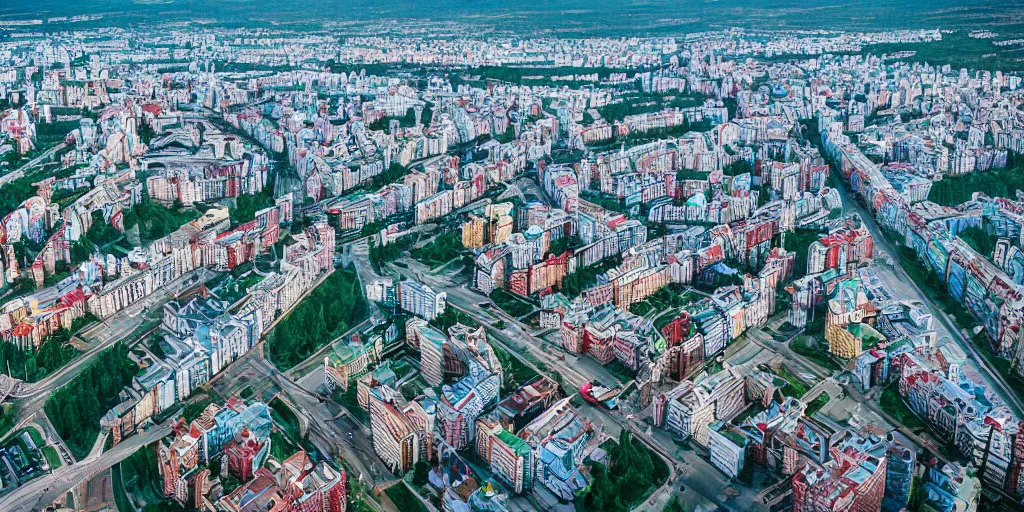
<point>404,499</point>
<point>52,457</point>
<point>796,387</point>
<point>892,403</point>
<point>815,350</point>
<point>512,304</point>
<point>816,404</point>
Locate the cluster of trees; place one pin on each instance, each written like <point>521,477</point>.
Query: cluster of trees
<point>393,173</point>
<point>75,409</point>
<point>406,121</point>
<point>517,374</point>
<point>583,278</point>
<point>737,168</point>
<point>979,240</point>
<point>606,201</point>
<point>672,296</point>
<point>16,192</point>
<point>140,474</point>
<point>565,243</point>
<point>538,76</point>
<point>382,254</point>
<point>442,249</point>
<point>330,310</point>
<point>53,133</point>
<point>997,183</point>
<point>643,103</point>
<point>631,474</point>
<point>155,220</point>
<point>799,242</point>
<point>247,205</point>
<point>54,352</point>
<point>100,232</point>
<point>450,317</point>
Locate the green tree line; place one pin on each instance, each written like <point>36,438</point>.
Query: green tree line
<point>328,312</point>
<point>632,473</point>
<point>952,191</point>
<point>75,409</point>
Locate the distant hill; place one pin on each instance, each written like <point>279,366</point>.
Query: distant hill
<point>552,17</point>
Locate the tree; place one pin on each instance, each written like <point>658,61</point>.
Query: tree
<point>76,408</point>
<point>509,135</point>
<point>410,117</point>
<point>674,505</point>
<point>420,473</point>
<point>428,114</point>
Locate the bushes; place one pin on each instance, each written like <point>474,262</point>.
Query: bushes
<point>155,220</point>
<point>75,410</point>
<point>53,353</point>
<point>510,303</point>
<point>380,255</point>
<point>442,249</point>
<point>632,473</point>
<point>330,310</point>
<point>956,190</point>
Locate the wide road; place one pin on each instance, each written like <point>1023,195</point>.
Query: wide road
<point>1005,392</point>
<point>39,493</point>
<point>513,338</point>
<point>30,397</point>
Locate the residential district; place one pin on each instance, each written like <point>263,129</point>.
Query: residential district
<point>263,270</point>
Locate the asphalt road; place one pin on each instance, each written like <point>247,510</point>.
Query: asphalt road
<point>37,494</point>
<point>1009,397</point>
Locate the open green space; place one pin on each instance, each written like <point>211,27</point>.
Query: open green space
<point>633,472</point>
<point>404,499</point>
<point>512,304</point>
<point>815,350</point>
<point>892,403</point>
<point>954,190</point>
<point>329,311</point>
<point>441,250</point>
<point>75,409</point>
<point>52,457</point>
<point>795,387</point>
